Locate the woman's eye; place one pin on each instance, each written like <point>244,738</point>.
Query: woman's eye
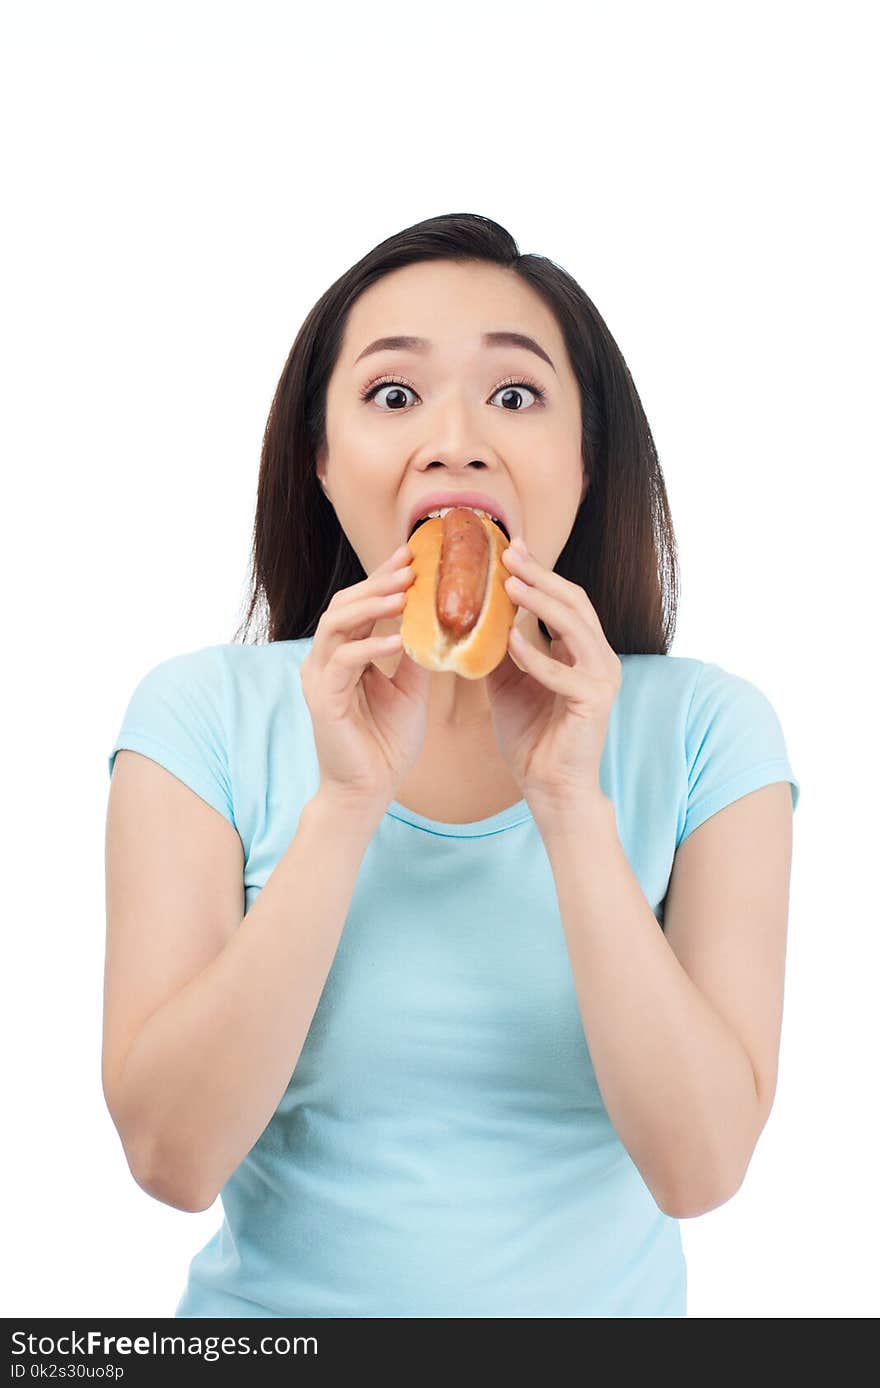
<point>516,390</point>
<point>396,392</point>
<point>511,392</point>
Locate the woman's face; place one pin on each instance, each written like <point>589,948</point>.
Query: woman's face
<point>455,418</point>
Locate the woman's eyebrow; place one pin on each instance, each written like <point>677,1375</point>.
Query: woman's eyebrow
<point>406,343</point>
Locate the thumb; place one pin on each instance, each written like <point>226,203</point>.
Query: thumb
<point>412,678</point>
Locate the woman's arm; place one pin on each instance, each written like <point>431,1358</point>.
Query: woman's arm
<point>207,1070</point>
<point>665,1030</point>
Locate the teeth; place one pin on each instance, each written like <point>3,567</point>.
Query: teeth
<point>445,509</point>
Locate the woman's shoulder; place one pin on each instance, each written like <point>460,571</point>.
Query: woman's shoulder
<point>696,681</point>
<point>225,684</point>
<point>237,661</point>
<point>670,677</point>
<point>715,728</point>
<point>693,690</point>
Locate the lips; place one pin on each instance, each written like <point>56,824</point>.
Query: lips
<point>477,501</point>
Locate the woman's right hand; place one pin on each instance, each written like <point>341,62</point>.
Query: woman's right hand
<point>368,729</point>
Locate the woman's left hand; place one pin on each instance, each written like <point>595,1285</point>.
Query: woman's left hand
<point>550,712</point>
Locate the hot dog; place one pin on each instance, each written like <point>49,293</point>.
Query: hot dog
<point>457,614</point>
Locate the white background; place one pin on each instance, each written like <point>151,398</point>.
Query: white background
<point>182,182</point>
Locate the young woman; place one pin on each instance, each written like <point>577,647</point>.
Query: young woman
<point>459,993</point>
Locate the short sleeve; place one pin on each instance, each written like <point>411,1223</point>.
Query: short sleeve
<point>175,716</point>
<point>734,744</point>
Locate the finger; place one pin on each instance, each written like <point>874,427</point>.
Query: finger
<point>345,621</point>
<point>527,568</point>
<point>553,674</point>
<point>558,617</point>
<point>344,644</point>
<point>354,656</point>
<point>382,581</point>
<point>396,565</point>
<point>411,678</point>
<point>401,555</point>
<point>351,658</point>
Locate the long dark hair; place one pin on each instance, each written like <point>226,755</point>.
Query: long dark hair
<point>621,549</point>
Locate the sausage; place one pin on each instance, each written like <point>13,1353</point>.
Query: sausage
<point>464,567</point>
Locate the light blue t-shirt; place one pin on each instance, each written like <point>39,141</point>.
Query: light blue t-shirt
<point>442,1148</point>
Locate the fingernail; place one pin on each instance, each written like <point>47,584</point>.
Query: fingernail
<point>520,544</point>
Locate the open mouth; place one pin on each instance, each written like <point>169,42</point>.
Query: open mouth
<point>501,526</point>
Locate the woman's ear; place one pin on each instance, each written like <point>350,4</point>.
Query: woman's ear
<point>321,468</point>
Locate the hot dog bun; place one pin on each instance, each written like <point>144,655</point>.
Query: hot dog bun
<point>426,640</point>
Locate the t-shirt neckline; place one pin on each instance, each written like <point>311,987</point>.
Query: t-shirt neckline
<point>472,829</point>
